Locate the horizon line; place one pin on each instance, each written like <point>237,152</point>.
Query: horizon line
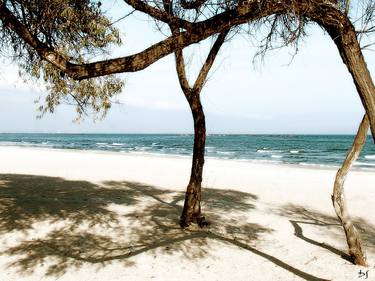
<point>175,133</point>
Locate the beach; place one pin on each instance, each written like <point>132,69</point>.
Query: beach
<point>90,215</point>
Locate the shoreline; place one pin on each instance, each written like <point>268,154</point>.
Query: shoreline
<point>274,163</point>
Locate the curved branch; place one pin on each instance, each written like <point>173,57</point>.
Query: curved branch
<point>181,73</point>
<point>202,76</point>
<point>159,14</point>
<point>338,198</point>
<point>245,12</point>
<point>192,5</point>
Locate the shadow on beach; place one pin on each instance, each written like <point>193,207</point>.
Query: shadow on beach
<point>300,216</point>
<point>114,221</point>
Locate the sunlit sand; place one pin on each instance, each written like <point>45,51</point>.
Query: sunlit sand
<point>74,215</point>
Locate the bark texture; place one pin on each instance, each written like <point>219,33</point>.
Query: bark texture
<point>345,38</point>
<point>192,206</point>
<point>338,198</point>
<point>191,212</point>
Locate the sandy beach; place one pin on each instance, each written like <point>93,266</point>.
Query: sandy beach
<point>79,215</point>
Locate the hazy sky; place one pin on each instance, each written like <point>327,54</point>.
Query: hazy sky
<point>314,93</point>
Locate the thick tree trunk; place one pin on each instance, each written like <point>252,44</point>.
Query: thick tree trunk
<point>345,38</point>
<point>338,197</point>
<point>192,206</point>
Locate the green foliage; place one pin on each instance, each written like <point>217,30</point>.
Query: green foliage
<point>77,29</point>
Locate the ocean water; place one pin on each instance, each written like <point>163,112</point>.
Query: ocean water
<point>315,150</point>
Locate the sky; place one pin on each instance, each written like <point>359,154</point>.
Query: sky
<point>310,93</point>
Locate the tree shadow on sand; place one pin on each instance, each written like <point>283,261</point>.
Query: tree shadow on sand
<point>115,221</point>
<point>299,216</point>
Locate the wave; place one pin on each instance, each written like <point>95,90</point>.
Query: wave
<point>225,152</point>
<point>294,151</point>
<point>210,148</point>
<point>370,157</point>
<point>23,143</point>
<point>364,164</point>
<point>264,150</point>
<point>141,148</point>
<point>317,165</point>
<point>117,144</point>
<point>265,161</point>
<point>267,150</point>
<point>276,156</point>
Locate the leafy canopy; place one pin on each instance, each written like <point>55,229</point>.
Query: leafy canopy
<point>79,30</point>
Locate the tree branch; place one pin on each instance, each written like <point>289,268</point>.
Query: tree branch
<point>159,15</point>
<point>192,5</point>
<point>202,30</point>
<point>245,11</point>
<point>202,76</point>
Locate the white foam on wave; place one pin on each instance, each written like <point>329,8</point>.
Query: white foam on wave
<point>265,161</point>
<point>117,144</point>
<point>225,152</point>
<point>364,164</point>
<point>141,148</point>
<point>263,151</point>
<point>267,150</point>
<point>294,151</point>
<point>370,157</point>
<point>276,156</point>
<point>317,165</point>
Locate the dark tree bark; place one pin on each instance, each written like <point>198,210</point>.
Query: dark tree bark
<point>192,206</point>
<point>338,198</point>
<point>345,38</point>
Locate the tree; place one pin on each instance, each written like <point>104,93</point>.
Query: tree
<point>192,205</point>
<point>338,198</point>
<point>211,17</point>
<point>353,239</point>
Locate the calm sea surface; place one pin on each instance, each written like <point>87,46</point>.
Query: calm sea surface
<point>321,150</point>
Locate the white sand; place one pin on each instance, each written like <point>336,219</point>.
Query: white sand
<point>73,215</point>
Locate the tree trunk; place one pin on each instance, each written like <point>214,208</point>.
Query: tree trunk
<point>338,197</point>
<point>345,38</point>
<point>192,206</point>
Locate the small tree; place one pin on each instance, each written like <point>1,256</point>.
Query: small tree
<point>192,205</point>
<point>338,198</point>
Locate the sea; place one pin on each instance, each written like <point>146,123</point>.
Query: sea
<point>304,150</point>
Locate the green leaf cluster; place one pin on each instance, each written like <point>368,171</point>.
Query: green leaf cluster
<point>80,31</point>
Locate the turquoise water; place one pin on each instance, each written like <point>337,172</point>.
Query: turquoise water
<point>324,150</point>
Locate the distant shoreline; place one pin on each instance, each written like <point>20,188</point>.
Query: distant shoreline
<point>183,134</point>
<point>145,155</point>
<point>318,151</point>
